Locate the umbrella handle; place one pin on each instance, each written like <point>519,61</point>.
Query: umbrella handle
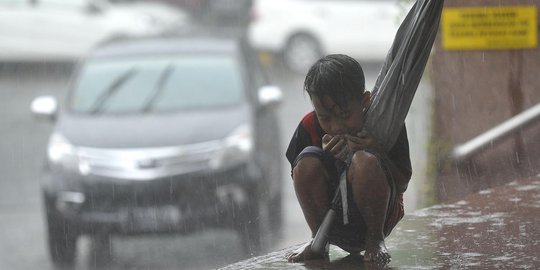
<point>318,245</point>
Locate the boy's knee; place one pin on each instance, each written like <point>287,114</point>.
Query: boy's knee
<point>364,160</point>
<point>307,169</point>
<point>364,164</point>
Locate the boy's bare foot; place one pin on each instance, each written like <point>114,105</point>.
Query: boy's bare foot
<point>377,253</point>
<point>304,253</point>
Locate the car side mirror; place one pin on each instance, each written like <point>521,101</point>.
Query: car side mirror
<point>44,107</point>
<point>270,96</point>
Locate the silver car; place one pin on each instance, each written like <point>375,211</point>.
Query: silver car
<point>163,136</point>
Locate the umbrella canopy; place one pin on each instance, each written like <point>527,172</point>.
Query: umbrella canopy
<point>401,72</point>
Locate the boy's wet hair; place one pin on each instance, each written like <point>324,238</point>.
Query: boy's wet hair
<point>337,76</point>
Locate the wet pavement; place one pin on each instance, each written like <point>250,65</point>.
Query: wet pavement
<point>493,229</point>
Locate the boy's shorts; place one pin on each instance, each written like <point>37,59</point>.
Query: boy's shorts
<point>352,235</point>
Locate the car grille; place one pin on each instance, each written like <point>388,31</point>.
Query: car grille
<point>189,192</point>
<point>149,163</point>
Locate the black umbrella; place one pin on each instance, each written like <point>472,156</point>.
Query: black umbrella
<point>395,88</point>
<point>401,71</point>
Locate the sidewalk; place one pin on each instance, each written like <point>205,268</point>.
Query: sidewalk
<point>496,228</point>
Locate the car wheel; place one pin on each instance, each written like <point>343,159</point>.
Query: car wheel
<point>62,238</point>
<point>301,52</point>
<point>102,248</point>
<point>276,217</point>
<point>254,228</point>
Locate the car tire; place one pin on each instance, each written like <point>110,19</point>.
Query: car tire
<point>254,228</point>
<point>276,217</point>
<point>62,240</point>
<point>102,248</point>
<point>301,52</point>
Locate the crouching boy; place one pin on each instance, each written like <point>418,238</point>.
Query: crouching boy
<point>330,140</point>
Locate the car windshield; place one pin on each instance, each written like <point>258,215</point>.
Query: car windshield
<point>166,83</point>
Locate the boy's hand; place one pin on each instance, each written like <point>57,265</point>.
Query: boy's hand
<point>362,140</point>
<point>335,146</point>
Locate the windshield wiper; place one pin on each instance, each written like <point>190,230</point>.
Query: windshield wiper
<point>148,104</point>
<point>111,89</point>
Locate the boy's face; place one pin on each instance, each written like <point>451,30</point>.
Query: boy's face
<point>336,120</point>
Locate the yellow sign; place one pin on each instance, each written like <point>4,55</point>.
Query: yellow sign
<point>501,27</point>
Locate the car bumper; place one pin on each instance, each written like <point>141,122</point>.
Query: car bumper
<point>170,204</point>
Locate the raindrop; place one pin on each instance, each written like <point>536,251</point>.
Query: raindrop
<point>484,192</point>
<point>443,189</point>
<point>529,162</point>
<point>522,230</point>
<point>170,190</point>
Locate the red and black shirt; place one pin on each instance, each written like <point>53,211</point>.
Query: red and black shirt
<point>310,133</point>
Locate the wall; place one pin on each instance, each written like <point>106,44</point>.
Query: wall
<point>475,91</point>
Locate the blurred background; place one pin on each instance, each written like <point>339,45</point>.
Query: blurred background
<point>464,92</point>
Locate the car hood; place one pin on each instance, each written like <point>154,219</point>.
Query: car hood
<point>151,130</point>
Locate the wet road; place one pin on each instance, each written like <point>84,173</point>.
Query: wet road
<point>22,148</point>
<point>493,229</point>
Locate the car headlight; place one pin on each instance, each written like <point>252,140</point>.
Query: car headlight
<point>60,150</point>
<point>237,148</point>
